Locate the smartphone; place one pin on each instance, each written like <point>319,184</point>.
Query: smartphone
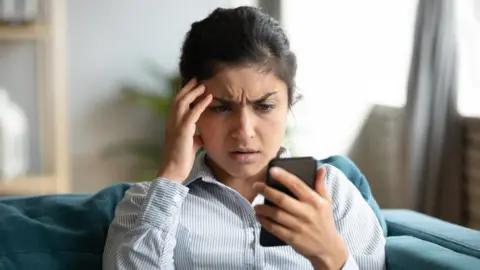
<point>305,168</point>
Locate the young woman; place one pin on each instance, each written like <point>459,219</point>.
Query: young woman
<point>205,211</point>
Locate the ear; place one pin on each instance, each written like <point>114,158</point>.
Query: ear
<point>197,133</point>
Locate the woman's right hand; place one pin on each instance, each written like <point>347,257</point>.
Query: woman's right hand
<point>181,142</point>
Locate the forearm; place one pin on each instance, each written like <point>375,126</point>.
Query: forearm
<point>144,238</point>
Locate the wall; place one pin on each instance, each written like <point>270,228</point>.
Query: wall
<point>109,41</point>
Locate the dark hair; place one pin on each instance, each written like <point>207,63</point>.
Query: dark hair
<point>242,36</point>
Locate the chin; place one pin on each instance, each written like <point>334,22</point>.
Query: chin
<point>245,170</point>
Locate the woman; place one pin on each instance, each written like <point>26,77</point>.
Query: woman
<point>205,211</point>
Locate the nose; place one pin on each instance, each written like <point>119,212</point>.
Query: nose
<point>244,124</point>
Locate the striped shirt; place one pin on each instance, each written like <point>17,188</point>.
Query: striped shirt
<point>204,224</point>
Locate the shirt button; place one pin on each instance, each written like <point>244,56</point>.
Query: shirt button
<point>177,198</point>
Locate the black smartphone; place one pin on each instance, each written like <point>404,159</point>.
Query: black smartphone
<point>305,168</point>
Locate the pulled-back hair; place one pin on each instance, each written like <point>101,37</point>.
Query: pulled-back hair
<point>238,37</point>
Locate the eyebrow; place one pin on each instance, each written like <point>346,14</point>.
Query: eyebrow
<point>256,101</point>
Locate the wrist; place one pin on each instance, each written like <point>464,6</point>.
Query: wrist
<point>329,264</point>
<point>168,174</point>
<point>333,261</point>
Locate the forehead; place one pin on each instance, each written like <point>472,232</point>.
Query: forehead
<point>247,82</point>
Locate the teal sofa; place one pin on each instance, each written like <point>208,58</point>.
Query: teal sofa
<point>68,231</point>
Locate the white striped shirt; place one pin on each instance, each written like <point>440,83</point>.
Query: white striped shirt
<point>204,224</point>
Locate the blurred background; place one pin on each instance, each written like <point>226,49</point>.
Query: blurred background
<point>85,87</point>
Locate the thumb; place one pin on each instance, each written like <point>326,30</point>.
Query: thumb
<point>320,187</point>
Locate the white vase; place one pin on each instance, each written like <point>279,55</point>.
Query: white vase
<point>13,139</point>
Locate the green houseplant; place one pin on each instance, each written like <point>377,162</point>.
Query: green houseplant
<point>157,99</point>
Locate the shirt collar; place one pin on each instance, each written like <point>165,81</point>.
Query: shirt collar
<point>201,171</point>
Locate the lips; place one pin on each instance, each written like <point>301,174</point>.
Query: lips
<point>244,151</point>
<point>244,155</point>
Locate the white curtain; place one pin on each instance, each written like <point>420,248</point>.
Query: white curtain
<point>434,139</point>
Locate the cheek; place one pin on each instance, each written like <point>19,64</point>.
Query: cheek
<point>210,128</point>
<point>276,120</point>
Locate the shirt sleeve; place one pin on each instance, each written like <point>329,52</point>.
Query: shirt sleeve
<point>356,222</point>
<point>350,264</point>
<point>142,233</point>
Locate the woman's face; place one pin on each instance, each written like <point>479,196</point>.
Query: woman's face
<point>243,127</point>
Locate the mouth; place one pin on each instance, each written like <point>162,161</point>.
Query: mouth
<point>244,151</point>
<point>244,155</point>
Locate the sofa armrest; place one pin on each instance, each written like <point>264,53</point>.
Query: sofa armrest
<point>407,252</point>
<point>451,236</point>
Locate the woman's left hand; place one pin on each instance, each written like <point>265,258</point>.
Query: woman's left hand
<point>305,223</point>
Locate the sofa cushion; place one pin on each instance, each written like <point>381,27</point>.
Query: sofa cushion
<point>56,231</point>
<point>451,236</point>
<point>410,253</point>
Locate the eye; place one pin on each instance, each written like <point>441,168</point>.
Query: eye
<point>264,107</point>
<point>220,108</point>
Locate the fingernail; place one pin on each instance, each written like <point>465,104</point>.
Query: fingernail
<point>274,170</point>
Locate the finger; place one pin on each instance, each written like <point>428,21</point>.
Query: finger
<point>278,216</point>
<point>280,199</point>
<point>190,97</point>
<point>276,229</point>
<point>320,186</point>
<point>187,88</point>
<point>199,108</point>
<point>293,183</point>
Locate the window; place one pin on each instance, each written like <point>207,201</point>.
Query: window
<point>352,55</point>
<point>468,34</point>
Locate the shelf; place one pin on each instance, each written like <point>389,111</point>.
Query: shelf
<point>48,35</point>
<point>22,32</point>
<point>27,186</point>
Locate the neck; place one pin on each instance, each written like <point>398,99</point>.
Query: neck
<point>244,186</point>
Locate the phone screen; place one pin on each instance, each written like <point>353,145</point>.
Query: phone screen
<point>305,168</point>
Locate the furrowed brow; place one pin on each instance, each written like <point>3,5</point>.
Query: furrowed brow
<point>225,101</point>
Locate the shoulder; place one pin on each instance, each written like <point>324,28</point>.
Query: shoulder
<point>338,185</point>
<point>351,172</point>
<point>346,197</point>
<point>345,166</point>
<point>347,201</point>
